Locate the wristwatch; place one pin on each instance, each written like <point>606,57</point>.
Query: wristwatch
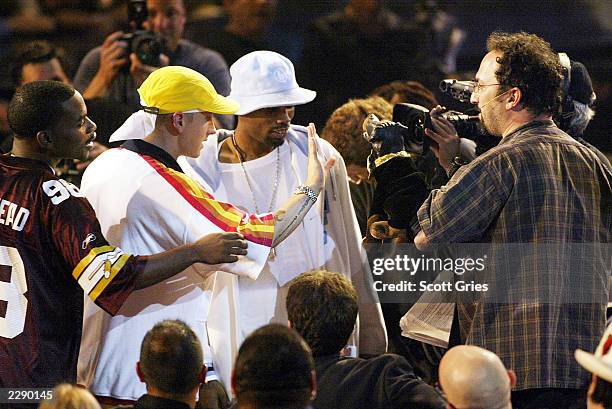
<point>305,190</point>
<point>454,166</point>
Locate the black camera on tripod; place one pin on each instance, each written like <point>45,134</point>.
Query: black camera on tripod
<point>144,43</point>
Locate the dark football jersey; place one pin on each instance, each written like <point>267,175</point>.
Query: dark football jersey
<point>51,251</point>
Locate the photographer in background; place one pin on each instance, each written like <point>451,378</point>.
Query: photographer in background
<point>111,71</point>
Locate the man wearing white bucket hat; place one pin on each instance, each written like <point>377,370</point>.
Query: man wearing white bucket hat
<point>144,201</point>
<point>600,365</point>
<point>260,164</point>
<point>256,166</point>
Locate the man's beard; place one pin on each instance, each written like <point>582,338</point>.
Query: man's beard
<point>488,122</point>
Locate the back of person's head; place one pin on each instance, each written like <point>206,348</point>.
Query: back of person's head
<point>36,52</point>
<point>66,396</point>
<point>577,107</point>
<point>322,307</point>
<point>528,63</point>
<point>171,358</point>
<point>344,128</point>
<point>412,92</point>
<point>474,378</point>
<point>274,370</point>
<point>37,106</point>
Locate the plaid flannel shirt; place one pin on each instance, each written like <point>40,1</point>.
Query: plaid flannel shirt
<point>537,186</point>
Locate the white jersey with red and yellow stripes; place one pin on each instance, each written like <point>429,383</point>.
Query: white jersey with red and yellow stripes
<point>146,205</point>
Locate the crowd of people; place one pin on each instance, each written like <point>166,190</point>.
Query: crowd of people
<point>169,237</point>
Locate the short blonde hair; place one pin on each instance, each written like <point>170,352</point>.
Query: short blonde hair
<point>66,396</point>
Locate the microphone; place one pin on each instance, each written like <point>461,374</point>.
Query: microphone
<point>493,99</point>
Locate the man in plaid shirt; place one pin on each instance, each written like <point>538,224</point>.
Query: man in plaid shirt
<point>537,186</point>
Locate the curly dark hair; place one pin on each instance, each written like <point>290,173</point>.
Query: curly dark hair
<point>37,106</point>
<point>530,64</point>
<point>343,128</point>
<point>322,307</point>
<point>412,92</point>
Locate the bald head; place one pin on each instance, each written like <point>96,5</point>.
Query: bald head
<point>474,378</point>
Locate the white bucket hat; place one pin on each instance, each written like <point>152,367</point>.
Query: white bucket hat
<point>599,363</point>
<point>265,79</point>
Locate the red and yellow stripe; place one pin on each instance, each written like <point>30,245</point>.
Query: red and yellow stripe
<point>256,228</point>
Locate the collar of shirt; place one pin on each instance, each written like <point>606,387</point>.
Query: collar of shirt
<point>145,148</point>
<point>27,163</point>
<point>533,124</point>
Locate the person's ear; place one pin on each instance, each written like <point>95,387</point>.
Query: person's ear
<point>178,120</point>
<point>512,377</point>
<point>515,99</point>
<point>43,138</point>
<point>139,372</point>
<point>289,324</point>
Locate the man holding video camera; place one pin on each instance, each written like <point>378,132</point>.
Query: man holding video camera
<point>114,70</point>
<point>538,185</point>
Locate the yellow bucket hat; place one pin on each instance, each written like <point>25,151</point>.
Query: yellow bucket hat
<point>180,89</point>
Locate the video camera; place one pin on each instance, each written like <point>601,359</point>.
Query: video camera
<point>416,117</point>
<point>145,44</point>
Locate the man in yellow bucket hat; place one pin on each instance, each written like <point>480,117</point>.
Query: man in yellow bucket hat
<point>144,201</point>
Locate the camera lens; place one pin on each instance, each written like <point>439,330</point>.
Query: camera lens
<point>147,48</point>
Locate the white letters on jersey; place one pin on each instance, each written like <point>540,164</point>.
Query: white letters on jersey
<point>13,293</point>
<point>13,215</point>
<point>60,190</point>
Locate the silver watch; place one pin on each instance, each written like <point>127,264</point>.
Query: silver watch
<point>305,190</point>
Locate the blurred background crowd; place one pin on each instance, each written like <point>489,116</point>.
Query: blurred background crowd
<point>341,49</point>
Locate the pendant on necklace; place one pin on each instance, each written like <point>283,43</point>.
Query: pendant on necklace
<point>272,253</point>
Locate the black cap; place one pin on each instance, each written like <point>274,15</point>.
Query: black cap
<point>581,87</point>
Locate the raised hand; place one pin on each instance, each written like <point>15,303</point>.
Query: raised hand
<point>316,169</point>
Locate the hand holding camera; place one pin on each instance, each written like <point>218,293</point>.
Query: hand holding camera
<point>444,134</point>
<point>138,52</point>
<point>140,71</point>
<point>113,56</point>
